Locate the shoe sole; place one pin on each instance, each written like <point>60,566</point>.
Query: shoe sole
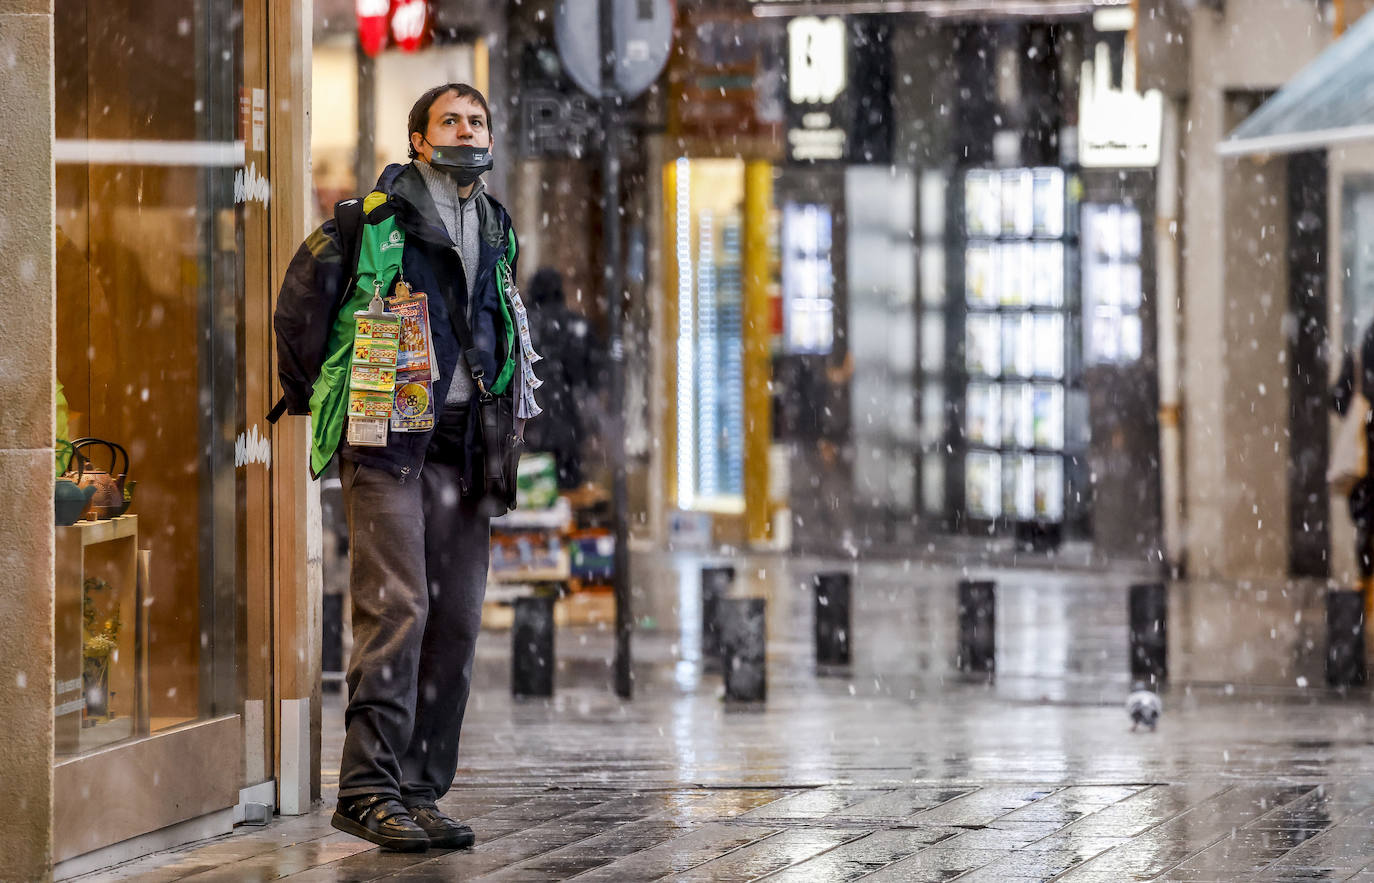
<point>454,841</point>
<point>395,844</point>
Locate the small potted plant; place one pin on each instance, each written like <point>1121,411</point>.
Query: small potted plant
<point>101,641</point>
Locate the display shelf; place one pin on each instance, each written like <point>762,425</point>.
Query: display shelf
<point>106,550</point>
<point>556,517</point>
<point>1019,333</point>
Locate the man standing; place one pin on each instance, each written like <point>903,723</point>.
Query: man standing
<point>419,541</point>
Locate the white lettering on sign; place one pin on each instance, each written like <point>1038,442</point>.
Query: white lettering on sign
<point>250,447</point>
<point>372,8</point>
<point>259,119</point>
<point>816,59</point>
<point>1117,127</point>
<point>250,186</point>
<point>823,144</point>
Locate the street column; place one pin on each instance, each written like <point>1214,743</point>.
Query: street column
<point>28,303</point>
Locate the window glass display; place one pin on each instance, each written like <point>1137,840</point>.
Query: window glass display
<point>983,203</point>
<point>1016,322</point>
<point>936,358</point>
<point>1048,201</point>
<point>880,275</point>
<point>1017,416</point>
<point>1049,488</point>
<point>808,279</point>
<point>1048,340</point>
<point>1112,287</point>
<point>148,149</point>
<point>984,412</point>
<point>1018,486</point>
<point>983,484</point>
<point>1018,217</point>
<point>984,345</point>
<point>932,413</point>
<point>1047,410</point>
<point>982,273</point>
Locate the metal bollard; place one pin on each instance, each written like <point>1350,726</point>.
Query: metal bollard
<point>531,671</point>
<point>743,635</point>
<point>1148,607</point>
<point>977,626</point>
<point>833,619</point>
<point>715,585</point>
<point>1344,638</point>
<point>331,644</point>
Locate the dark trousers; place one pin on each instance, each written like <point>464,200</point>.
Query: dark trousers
<point>417,574</point>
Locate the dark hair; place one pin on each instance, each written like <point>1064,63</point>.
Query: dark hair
<point>419,112</point>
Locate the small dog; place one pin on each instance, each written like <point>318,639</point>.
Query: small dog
<point>1143,706</point>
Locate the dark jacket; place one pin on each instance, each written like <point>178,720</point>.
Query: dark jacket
<point>1342,394</point>
<point>429,264</point>
<point>566,344</point>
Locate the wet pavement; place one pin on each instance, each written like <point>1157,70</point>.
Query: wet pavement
<point>897,767</point>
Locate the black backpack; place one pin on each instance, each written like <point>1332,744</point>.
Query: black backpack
<point>306,339</point>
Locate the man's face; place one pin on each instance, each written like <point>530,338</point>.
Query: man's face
<point>453,120</point>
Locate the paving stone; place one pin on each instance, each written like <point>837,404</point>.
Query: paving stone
<point>767,856</point>
<point>937,864</point>
<point>709,842</point>
<point>815,804</point>
<point>853,860</point>
<point>1167,846</point>
<point>981,807</point>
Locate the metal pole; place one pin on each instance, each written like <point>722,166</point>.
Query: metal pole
<point>610,204</point>
<point>365,162</point>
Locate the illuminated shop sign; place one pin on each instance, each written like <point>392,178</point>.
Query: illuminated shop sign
<point>816,78</point>
<point>838,103</point>
<point>1117,128</point>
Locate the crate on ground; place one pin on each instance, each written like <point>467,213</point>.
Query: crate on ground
<point>592,554</point>
<point>529,556</point>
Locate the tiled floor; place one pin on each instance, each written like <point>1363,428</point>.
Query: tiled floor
<point>898,768</point>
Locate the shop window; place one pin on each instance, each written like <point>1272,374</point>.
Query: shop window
<point>149,153</point>
<point>708,229</point>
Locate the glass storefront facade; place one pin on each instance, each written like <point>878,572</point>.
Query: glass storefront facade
<point>168,593</point>
<point>149,296</point>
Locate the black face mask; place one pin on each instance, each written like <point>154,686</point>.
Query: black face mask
<point>463,163</point>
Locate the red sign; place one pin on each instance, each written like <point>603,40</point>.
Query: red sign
<point>372,25</point>
<point>409,24</point>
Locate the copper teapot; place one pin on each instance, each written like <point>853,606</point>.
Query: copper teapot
<point>108,501</point>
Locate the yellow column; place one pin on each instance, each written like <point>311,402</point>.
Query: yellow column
<point>670,332</point>
<point>758,369</point>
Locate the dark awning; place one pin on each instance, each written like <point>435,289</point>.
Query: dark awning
<point>1329,102</point>
<point>947,9</point>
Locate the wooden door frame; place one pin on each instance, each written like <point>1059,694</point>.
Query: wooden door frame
<point>283,579</point>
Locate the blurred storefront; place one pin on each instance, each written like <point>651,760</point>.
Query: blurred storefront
<point>884,297</point>
<point>180,592</point>
<point>966,296</point>
<point>721,271</point>
<point>1270,230</point>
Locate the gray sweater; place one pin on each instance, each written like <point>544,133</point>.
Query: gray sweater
<point>460,220</point>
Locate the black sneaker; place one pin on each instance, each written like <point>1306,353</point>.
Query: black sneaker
<point>444,832</point>
<point>381,820</point>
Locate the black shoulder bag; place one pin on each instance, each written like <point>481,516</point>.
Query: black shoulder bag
<point>501,445</point>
